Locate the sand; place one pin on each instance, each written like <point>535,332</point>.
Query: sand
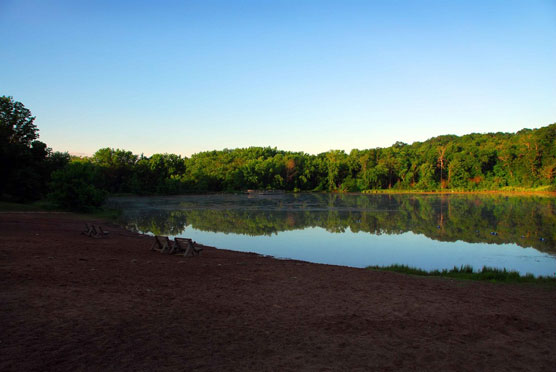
<point>69,302</point>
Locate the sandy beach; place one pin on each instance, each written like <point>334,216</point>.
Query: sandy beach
<point>69,302</point>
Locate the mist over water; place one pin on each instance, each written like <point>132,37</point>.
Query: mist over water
<point>425,231</point>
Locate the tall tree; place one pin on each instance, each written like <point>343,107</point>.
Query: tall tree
<point>16,123</point>
<point>441,161</point>
<point>25,163</point>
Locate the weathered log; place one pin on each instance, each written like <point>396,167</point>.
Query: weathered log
<point>188,246</point>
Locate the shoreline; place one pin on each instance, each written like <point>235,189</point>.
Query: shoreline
<point>72,302</point>
<point>37,206</point>
<point>478,192</point>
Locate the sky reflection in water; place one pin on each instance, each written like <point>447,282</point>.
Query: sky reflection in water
<point>425,231</point>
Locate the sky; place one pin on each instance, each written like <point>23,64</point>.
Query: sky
<point>188,76</point>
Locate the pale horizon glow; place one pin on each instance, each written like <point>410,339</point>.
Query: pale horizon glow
<point>189,76</point>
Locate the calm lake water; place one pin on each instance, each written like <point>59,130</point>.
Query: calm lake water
<point>425,231</point>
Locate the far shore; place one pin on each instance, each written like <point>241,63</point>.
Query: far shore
<point>478,192</point>
<point>367,192</point>
<point>45,205</point>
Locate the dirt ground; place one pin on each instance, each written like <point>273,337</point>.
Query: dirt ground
<point>69,302</point>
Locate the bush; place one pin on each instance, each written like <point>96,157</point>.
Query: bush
<point>75,187</point>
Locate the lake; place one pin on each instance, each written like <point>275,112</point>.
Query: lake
<point>428,231</point>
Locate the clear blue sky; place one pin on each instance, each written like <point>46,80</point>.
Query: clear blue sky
<point>189,76</point>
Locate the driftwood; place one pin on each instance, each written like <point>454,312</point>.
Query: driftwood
<point>94,231</point>
<point>184,246</point>
<point>162,244</point>
<point>102,232</point>
<point>187,246</point>
<point>88,230</point>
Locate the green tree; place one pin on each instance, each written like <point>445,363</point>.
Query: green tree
<point>76,187</point>
<point>117,166</point>
<point>16,123</point>
<point>25,162</point>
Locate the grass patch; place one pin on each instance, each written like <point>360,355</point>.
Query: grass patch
<point>396,191</point>
<point>547,188</point>
<point>503,190</point>
<point>37,206</point>
<point>467,272</point>
<point>105,214</point>
<point>47,206</point>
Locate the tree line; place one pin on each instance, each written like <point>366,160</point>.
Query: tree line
<point>491,161</point>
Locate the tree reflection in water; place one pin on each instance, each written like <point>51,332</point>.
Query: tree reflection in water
<point>528,221</point>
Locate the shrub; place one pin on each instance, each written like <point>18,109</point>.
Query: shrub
<point>75,187</point>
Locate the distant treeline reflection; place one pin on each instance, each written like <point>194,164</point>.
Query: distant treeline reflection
<point>527,221</point>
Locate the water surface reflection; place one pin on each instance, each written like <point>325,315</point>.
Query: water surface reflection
<point>499,224</point>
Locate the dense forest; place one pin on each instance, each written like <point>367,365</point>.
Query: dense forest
<point>492,161</point>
